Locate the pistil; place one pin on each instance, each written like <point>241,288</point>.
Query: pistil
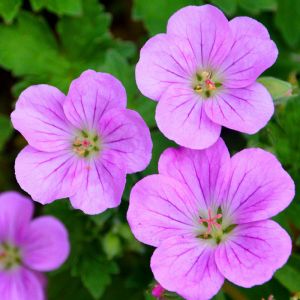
<point>86,144</point>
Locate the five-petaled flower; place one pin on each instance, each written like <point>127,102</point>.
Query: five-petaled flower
<point>208,215</point>
<point>203,73</point>
<point>81,145</point>
<point>27,248</point>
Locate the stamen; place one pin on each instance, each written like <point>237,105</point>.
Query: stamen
<point>211,222</point>
<point>86,144</point>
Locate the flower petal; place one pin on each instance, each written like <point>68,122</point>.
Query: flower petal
<point>200,170</point>
<point>39,117</point>
<point>90,96</point>
<point>165,60</point>
<point>15,214</point>
<point>253,252</point>
<point>20,284</point>
<point>245,109</point>
<point>48,176</point>
<point>207,30</point>
<point>181,117</point>
<point>126,137</point>
<point>46,245</point>
<point>249,57</point>
<point>245,26</point>
<point>187,267</point>
<point>102,188</point>
<point>161,207</point>
<point>258,187</point>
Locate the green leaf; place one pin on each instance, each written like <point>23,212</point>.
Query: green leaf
<point>96,274</point>
<point>288,20</point>
<point>156,13</point>
<point>278,88</point>
<point>30,50</point>
<point>60,7</point>
<point>6,130</point>
<point>257,6</point>
<point>111,245</point>
<point>88,30</point>
<point>289,275</point>
<point>228,6</point>
<point>9,9</point>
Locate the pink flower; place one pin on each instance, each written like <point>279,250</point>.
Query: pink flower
<point>27,248</point>
<point>203,72</point>
<point>208,215</point>
<point>81,145</point>
<point>158,291</point>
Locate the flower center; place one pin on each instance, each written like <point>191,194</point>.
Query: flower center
<point>86,144</point>
<point>10,256</point>
<point>214,228</point>
<point>205,84</point>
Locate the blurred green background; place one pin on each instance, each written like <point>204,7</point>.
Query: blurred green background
<point>53,41</point>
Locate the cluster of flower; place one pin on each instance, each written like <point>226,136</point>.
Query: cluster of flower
<point>206,213</point>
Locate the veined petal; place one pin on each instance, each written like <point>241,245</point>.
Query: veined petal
<point>201,170</point>
<point>48,176</point>
<point>258,187</point>
<point>126,137</point>
<point>39,117</point>
<point>161,207</point>
<point>90,96</point>
<point>21,284</point>
<point>246,109</point>
<point>207,31</point>
<point>181,117</point>
<point>102,188</point>
<point>253,252</point>
<point>45,245</point>
<point>164,60</point>
<point>187,266</point>
<point>15,214</point>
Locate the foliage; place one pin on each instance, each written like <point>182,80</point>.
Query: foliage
<point>53,41</point>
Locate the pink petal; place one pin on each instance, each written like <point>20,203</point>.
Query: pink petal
<point>187,267</point>
<point>90,96</point>
<point>207,31</point>
<point>259,187</point>
<point>20,284</point>
<point>102,188</point>
<point>246,109</point>
<point>39,117</point>
<point>200,170</point>
<point>245,26</point>
<point>165,60</point>
<point>46,245</point>
<point>48,176</point>
<point>15,214</point>
<point>161,207</point>
<point>127,138</point>
<point>249,57</point>
<point>253,253</point>
<point>181,117</point>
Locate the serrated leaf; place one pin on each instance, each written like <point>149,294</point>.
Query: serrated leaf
<point>288,20</point>
<point>60,7</point>
<point>277,88</point>
<point>9,9</point>
<point>6,130</point>
<point>155,13</point>
<point>96,274</point>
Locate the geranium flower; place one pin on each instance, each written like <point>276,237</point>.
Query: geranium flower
<point>203,72</point>
<point>81,145</point>
<point>27,248</point>
<point>208,215</point>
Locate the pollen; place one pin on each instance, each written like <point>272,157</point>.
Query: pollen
<point>10,256</point>
<point>86,144</point>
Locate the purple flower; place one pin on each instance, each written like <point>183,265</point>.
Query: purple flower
<point>203,72</point>
<point>208,215</point>
<point>81,145</point>
<point>27,248</point>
